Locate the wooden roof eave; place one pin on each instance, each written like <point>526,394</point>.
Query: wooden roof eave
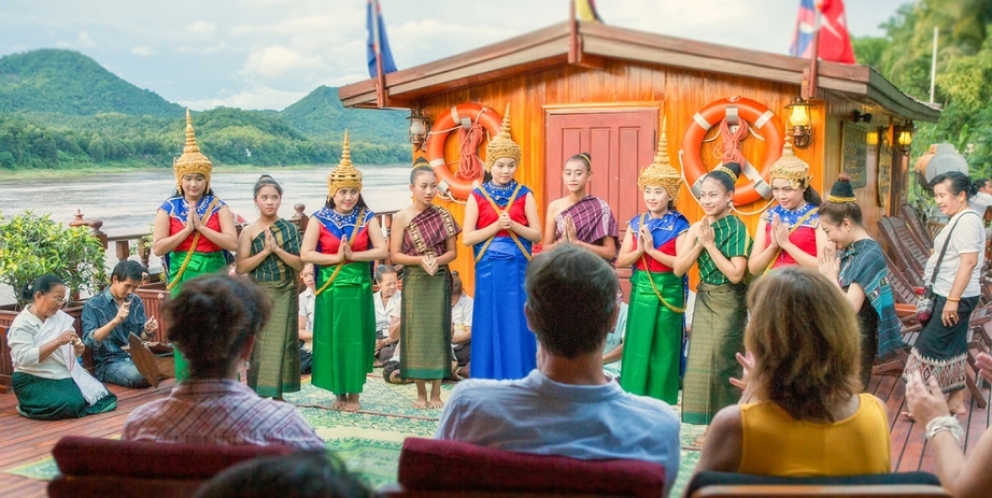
<point>885,93</point>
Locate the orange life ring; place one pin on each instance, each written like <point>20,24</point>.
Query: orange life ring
<point>460,115</point>
<point>756,115</point>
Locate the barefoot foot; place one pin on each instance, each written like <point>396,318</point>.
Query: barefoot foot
<point>435,403</point>
<point>352,404</point>
<point>420,404</point>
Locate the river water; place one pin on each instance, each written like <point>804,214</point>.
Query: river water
<point>126,201</point>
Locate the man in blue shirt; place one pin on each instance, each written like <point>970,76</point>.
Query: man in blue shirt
<point>566,406</point>
<point>109,318</point>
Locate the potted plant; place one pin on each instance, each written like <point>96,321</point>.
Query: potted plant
<point>32,245</point>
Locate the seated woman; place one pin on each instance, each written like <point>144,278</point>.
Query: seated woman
<point>214,321</point>
<point>801,414</point>
<point>49,382</point>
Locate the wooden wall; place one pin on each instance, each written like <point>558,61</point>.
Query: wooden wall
<point>678,93</point>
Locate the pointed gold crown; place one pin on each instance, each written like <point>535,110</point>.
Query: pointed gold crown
<point>192,160</point>
<point>791,168</point>
<point>661,173</point>
<point>502,145</point>
<point>345,175</point>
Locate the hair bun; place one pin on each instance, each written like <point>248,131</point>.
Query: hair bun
<point>734,167</point>
<point>844,177</point>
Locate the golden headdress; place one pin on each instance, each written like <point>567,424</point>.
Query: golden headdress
<point>345,175</point>
<point>502,145</point>
<point>661,173</point>
<point>192,160</point>
<point>792,168</point>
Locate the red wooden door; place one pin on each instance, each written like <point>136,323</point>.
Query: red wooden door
<point>621,142</point>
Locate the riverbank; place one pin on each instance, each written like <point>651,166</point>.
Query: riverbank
<point>90,170</point>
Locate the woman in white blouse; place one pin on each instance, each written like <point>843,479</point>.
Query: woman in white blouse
<point>48,381</point>
<point>941,350</point>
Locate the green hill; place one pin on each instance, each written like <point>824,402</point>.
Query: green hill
<point>68,82</point>
<point>320,114</point>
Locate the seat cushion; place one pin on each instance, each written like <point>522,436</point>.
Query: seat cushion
<point>438,465</point>
<point>704,479</point>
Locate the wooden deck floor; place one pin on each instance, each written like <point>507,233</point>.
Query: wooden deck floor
<point>25,441</point>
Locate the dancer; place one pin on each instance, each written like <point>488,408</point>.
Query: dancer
<point>719,244</point>
<point>269,252</point>
<point>501,223</point>
<point>423,240</point>
<point>341,240</point>
<point>193,228</point>
<point>788,233</point>
<point>580,218</point>
<point>861,272</point>
<point>653,342</point>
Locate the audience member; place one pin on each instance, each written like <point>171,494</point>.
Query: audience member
<point>306,319</point>
<point>48,381</point>
<point>566,406</point>
<point>109,318</point>
<point>213,321</point>
<point>461,327</point>
<point>801,414</point>
<point>961,476</point>
<point>613,349</point>
<point>391,365</point>
<point>301,475</point>
<point>387,299</point>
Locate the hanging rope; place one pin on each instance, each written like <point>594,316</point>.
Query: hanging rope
<point>469,164</point>
<point>729,150</point>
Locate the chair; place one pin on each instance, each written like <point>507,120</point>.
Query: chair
<point>912,217</point>
<point>731,485</point>
<point>94,467</point>
<point>431,468</point>
<point>6,362</point>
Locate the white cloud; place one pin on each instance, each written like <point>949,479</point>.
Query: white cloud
<point>259,97</point>
<point>85,40</point>
<point>202,28</point>
<point>142,51</point>
<point>277,61</point>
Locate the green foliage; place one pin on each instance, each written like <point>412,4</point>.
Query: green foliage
<point>131,127</point>
<point>31,246</point>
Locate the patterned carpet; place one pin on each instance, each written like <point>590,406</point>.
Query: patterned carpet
<point>369,441</point>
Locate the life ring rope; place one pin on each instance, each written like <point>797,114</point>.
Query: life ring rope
<point>453,187</point>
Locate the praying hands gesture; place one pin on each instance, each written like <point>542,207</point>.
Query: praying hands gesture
<point>780,233</point>
<point>344,251</point>
<point>571,233</point>
<point>829,263</point>
<point>505,222</point>
<point>429,263</point>
<point>193,221</point>
<point>645,242</point>
<point>705,234</point>
<point>270,242</point>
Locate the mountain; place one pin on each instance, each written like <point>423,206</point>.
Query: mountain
<point>320,114</point>
<point>67,82</point>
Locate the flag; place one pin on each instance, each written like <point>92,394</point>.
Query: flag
<point>586,10</point>
<point>835,41</point>
<point>378,43</point>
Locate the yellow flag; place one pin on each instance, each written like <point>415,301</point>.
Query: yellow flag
<point>586,10</point>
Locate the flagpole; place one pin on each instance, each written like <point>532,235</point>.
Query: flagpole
<point>380,94</point>
<point>809,90</point>
<point>933,62</point>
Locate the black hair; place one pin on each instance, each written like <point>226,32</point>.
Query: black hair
<point>837,212</point>
<point>418,170</point>
<point>43,284</point>
<point>329,204</point>
<point>981,182</point>
<point>305,474</point>
<point>266,181</point>
<point>382,270</point>
<point>584,157</point>
<point>456,284</point>
<point>212,318</point>
<point>128,270</point>
<point>720,176</point>
<point>811,196</point>
<point>571,300</point>
<point>959,182</point>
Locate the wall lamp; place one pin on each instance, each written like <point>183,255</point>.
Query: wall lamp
<point>799,121</point>
<point>420,124</point>
<point>860,116</point>
<point>904,136</point>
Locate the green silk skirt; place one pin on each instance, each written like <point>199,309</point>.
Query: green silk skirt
<point>275,361</point>
<point>425,324</point>
<point>199,264</point>
<point>718,322</point>
<point>343,329</point>
<point>653,343</point>
<point>46,399</point>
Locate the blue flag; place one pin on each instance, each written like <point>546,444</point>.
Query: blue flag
<point>377,40</point>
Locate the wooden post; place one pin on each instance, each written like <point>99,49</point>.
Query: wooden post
<point>299,218</point>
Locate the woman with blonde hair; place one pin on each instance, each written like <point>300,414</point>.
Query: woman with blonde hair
<point>801,385</point>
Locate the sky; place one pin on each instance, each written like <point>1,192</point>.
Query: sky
<point>267,54</point>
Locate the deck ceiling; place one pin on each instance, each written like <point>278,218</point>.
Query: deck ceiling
<point>549,48</point>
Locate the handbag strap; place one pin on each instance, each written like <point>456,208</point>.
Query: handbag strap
<point>940,258</point>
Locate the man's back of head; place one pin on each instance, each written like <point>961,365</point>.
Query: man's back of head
<point>571,300</point>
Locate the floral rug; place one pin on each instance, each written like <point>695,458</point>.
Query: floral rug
<point>369,441</point>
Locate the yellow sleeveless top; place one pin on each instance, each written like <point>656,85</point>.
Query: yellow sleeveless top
<point>775,444</point>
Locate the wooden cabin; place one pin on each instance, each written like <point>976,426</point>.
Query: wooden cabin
<point>607,90</point>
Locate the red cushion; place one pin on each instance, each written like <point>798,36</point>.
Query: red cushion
<point>83,456</point>
<point>442,465</point>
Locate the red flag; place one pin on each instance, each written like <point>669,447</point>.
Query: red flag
<point>835,41</point>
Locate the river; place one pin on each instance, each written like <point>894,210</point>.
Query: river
<point>126,201</point>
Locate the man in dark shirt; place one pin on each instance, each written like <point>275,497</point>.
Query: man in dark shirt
<point>109,318</point>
